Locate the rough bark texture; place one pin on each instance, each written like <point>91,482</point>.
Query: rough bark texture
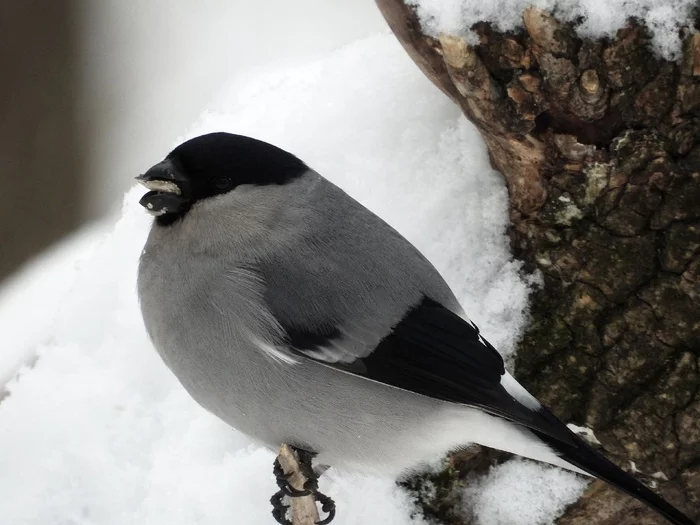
<point>599,142</point>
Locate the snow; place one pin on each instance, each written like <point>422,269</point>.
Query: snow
<point>593,18</point>
<point>96,430</point>
<point>505,496</point>
<point>30,299</point>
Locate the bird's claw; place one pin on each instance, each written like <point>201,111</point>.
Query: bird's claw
<point>282,480</point>
<point>279,509</point>
<point>327,506</point>
<point>311,485</point>
<point>294,493</point>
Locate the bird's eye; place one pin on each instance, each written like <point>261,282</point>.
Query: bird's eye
<point>222,183</point>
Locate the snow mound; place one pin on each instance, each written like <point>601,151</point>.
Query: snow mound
<point>506,495</point>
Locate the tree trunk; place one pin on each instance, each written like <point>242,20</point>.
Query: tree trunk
<point>599,142</point>
<point>42,152</point>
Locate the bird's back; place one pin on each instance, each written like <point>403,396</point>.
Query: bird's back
<point>344,267</point>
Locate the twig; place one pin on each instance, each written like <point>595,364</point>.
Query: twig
<point>303,509</point>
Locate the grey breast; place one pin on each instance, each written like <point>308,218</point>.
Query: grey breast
<point>217,285</point>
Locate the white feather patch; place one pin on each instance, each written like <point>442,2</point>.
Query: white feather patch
<point>275,353</point>
<point>516,390</point>
<point>455,426</point>
<point>585,433</point>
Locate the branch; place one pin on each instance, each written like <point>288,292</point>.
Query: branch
<point>303,509</point>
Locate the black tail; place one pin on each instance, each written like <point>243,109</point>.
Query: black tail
<point>579,454</point>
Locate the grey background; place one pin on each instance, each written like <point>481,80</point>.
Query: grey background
<point>94,92</point>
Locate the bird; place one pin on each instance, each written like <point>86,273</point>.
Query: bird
<point>296,315</point>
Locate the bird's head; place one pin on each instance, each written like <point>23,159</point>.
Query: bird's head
<point>211,165</point>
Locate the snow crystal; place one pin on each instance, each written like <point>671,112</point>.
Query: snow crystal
<point>593,18</point>
<point>505,496</point>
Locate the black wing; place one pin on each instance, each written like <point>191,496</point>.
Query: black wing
<point>434,352</point>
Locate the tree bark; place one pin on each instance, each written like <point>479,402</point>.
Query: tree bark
<point>599,143</point>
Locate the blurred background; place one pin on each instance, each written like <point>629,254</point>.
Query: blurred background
<point>93,93</point>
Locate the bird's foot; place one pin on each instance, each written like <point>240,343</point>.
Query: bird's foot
<point>279,509</point>
<point>282,480</point>
<point>306,467</point>
<point>327,506</point>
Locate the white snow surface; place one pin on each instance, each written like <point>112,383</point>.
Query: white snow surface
<point>594,18</point>
<point>30,299</point>
<point>97,431</point>
<point>505,496</point>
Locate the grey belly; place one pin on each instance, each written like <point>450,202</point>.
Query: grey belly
<point>347,420</point>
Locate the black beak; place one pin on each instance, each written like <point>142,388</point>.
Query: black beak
<point>169,189</point>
